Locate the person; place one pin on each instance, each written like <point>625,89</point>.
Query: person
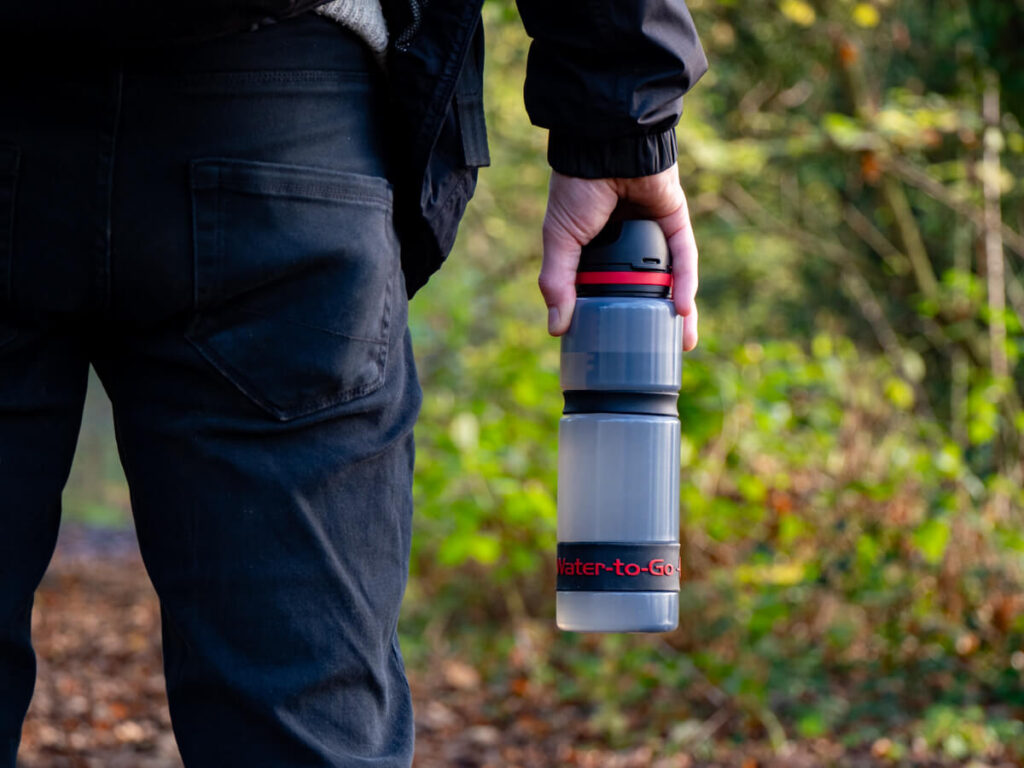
<point>223,207</point>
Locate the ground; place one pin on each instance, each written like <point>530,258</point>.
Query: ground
<point>99,700</point>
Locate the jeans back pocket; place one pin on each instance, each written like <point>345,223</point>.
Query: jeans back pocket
<point>293,274</point>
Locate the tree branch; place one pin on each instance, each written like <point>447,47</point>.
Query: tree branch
<point>895,197</point>
<point>916,177</point>
<point>993,237</point>
<point>853,281</point>
<point>875,240</point>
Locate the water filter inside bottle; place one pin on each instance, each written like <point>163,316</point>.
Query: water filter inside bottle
<point>618,441</point>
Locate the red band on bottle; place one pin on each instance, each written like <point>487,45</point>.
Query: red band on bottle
<point>623,278</point>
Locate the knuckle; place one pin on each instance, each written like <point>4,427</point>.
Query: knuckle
<point>549,285</point>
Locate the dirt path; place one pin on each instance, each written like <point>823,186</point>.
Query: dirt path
<point>100,702</point>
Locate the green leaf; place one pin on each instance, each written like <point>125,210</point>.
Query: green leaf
<point>932,538</point>
<point>812,725</point>
<point>798,12</point>
<point>847,133</point>
<point>899,393</point>
<point>865,15</point>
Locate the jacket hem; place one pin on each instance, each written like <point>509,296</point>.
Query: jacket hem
<point>625,157</point>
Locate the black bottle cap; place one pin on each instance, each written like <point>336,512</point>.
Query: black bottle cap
<point>627,258</point>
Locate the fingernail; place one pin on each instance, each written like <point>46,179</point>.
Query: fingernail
<point>552,319</point>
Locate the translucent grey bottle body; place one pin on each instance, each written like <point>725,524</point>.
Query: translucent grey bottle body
<point>618,473</point>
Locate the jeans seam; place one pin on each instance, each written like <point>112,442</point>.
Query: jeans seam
<point>7,244</point>
<point>106,180</point>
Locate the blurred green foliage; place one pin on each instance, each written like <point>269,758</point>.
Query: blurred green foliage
<point>852,454</point>
<point>851,463</point>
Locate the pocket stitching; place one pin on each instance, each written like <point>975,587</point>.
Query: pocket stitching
<point>283,181</point>
<point>313,327</point>
<point>216,183</point>
<point>308,81</point>
<point>245,386</point>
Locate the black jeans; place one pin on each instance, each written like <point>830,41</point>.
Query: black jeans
<point>211,228</point>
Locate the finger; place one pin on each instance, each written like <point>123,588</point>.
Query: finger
<point>683,246</point>
<point>690,330</point>
<point>557,279</point>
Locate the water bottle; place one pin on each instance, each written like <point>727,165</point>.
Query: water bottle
<point>618,441</point>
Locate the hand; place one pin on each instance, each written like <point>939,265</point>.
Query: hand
<point>579,208</point>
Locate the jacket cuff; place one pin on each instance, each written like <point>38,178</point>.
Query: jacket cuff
<point>626,157</point>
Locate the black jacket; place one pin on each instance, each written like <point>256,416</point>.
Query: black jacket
<point>607,77</point>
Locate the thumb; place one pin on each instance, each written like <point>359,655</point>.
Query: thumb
<point>557,279</point>
<point>577,210</point>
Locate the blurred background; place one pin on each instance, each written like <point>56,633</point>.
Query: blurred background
<point>853,434</point>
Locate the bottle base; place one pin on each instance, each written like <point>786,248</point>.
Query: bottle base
<point>617,611</point>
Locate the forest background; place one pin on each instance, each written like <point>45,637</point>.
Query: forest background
<point>853,431</point>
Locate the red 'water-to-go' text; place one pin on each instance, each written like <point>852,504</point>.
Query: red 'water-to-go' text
<point>579,567</point>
